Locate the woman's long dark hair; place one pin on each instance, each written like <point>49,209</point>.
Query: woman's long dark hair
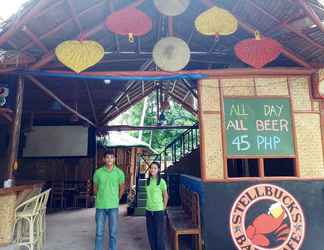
<point>158,174</point>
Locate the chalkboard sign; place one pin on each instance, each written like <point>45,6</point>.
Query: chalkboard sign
<point>258,127</point>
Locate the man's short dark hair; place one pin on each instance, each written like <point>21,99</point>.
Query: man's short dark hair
<point>109,152</point>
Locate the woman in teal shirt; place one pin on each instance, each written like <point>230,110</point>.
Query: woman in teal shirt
<point>157,200</point>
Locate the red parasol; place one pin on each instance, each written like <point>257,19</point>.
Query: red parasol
<point>129,21</point>
<point>259,51</point>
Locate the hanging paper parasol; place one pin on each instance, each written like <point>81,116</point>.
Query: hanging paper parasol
<point>259,51</point>
<point>216,21</point>
<point>171,54</point>
<point>171,7</point>
<point>129,22</point>
<point>79,55</point>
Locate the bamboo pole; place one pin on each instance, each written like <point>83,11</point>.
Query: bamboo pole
<point>139,128</point>
<point>53,96</point>
<point>15,129</point>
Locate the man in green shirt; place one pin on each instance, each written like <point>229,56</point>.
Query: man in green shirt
<point>109,187</point>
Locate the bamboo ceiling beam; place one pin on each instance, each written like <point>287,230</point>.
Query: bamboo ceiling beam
<point>111,9</point>
<point>189,87</point>
<point>170,26</point>
<point>23,20</point>
<point>49,8</point>
<point>248,28</point>
<point>62,25</point>
<point>286,26</point>
<point>50,94</point>
<point>7,114</point>
<point>136,3</point>
<point>185,105</point>
<point>311,14</point>
<point>285,22</point>
<point>129,85</point>
<point>212,72</point>
<point>74,15</point>
<point>35,39</point>
<point>126,107</point>
<point>92,105</point>
<point>140,128</point>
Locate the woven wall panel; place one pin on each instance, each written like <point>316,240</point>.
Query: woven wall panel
<point>309,145</point>
<point>316,106</point>
<point>238,87</point>
<point>300,94</point>
<point>213,145</point>
<point>7,210</point>
<point>271,86</point>
<point>209,91</point>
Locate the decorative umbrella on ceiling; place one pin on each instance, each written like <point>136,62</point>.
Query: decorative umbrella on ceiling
<point>171,7</point>
<point>216,22</point>
<point>129,22</point>
<point>171,54</point>
<point>258,51</point>
<point>79,55</point>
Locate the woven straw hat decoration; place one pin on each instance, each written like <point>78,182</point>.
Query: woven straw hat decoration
<point>171,7</point>
<point>171,54</point>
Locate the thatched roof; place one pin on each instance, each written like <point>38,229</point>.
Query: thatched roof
<point>42,24</point>
<point>122,139</point>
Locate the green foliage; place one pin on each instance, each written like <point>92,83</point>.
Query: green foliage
<point>159,139</point>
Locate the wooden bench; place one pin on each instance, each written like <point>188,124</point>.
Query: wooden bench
<point>185,220</point>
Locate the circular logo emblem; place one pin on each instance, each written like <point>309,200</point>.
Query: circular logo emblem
<point>267,217</point>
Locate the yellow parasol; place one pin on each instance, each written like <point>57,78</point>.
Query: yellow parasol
<point>79,55</point>
<point>216,21</point>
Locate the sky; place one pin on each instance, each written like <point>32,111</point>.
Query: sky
<point>10,7</point>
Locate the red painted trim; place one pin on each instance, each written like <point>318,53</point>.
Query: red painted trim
<point>263,179</point>
<point>210,73</point>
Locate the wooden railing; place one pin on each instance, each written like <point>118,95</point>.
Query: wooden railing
<point>178,148</point>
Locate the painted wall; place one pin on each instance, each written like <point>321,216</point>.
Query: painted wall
<point>306,119</point>
<point>228,210</point>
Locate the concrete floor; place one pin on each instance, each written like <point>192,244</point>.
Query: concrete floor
<point>75,230</point>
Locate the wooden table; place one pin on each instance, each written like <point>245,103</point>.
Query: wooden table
<point>9,199</point>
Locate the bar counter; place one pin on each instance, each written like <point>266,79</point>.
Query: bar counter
<point>9,199</point>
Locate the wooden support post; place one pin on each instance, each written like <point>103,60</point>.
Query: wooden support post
<point>15,130</point>
<point>261,167</point>
<point>158,105</point>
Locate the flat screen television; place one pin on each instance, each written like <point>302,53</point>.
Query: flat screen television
<point>57,141</point>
